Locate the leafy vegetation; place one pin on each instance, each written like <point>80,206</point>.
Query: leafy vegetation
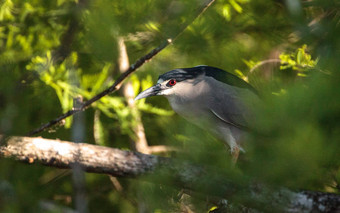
<point>52,52</point>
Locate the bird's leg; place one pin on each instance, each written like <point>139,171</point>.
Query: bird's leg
<point>234,147</point>
<point>235,151</point>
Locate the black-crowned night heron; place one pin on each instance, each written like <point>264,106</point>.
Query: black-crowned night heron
<point>211,98</point>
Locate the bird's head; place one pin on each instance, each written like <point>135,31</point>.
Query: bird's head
<point>184,82</point>
<point>171,82</point>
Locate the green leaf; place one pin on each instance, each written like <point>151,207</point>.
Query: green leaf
<point>236,6</point>
<point>226,12</point>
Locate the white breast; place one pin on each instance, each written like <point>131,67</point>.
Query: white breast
<point>193,102</point>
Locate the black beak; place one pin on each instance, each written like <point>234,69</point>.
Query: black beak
<point>152,91</point>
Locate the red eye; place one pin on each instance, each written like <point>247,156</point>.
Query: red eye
<point>172,82</point>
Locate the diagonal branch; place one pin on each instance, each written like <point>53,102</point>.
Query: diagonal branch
<point>117,84</point>
<point>184,175</point>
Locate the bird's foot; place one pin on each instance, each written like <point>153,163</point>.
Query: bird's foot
<point>235,151</point>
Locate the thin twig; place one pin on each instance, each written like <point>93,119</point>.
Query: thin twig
<point>117,84</point>
<point>119,188</point>
<point>274,60</point>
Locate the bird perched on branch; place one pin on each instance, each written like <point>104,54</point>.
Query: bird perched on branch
<point>211,98</point>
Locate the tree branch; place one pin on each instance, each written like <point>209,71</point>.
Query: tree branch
<point>117,84</point>
<point>261,63</point>
<point>91,158</point>
<point>138,140</point>
<point>104,160</point>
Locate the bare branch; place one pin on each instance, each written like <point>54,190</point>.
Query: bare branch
<point>117,84</point>
<point>91,158</point>
<point>274,60</point>
<point>97,159</point>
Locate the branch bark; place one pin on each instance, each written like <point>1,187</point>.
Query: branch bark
<point>91,158</point>
<point>104,160</point>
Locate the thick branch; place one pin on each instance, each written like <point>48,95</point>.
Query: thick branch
<point>91,158</point>
<point>120,163</point>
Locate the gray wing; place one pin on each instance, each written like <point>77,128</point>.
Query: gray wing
<point>228,105</point>
<point>229,120</point>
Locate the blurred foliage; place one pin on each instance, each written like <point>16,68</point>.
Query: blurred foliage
<point>54,51</point>
<point>301,62</point>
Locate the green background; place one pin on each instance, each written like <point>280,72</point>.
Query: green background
<point>54,51</point>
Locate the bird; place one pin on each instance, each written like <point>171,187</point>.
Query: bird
<point>211,98</point>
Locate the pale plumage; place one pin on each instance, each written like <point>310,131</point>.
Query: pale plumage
<point>210,98</point>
